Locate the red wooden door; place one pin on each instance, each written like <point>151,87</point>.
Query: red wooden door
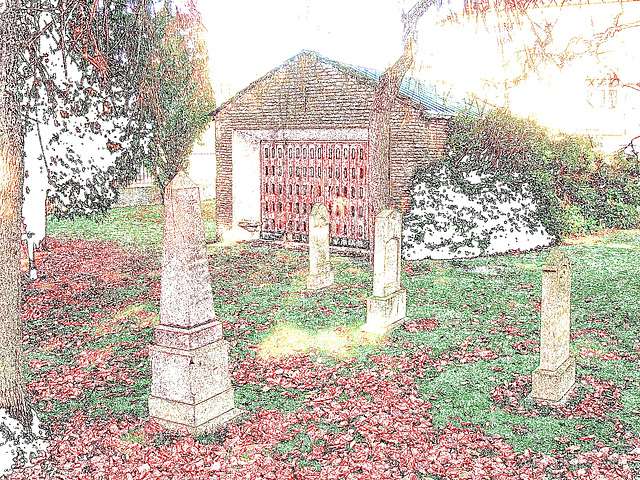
<point>297,174</point>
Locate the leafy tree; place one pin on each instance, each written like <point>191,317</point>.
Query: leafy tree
<point>87,134</point>
<point>95,131</point>
<point>157,62</point>
<point>529,38</point>
<point>76,146</point>
<point>44,44</point>
<point>184,95</point>
<point>72,134</point>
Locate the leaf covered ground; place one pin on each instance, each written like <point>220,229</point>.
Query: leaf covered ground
<point>444,396</point>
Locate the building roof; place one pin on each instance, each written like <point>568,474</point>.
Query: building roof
<point>427,95</point>
<point>423,95</point>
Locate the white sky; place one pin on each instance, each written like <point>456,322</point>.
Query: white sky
<point>248,38</point>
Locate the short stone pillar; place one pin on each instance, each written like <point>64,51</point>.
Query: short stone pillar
<point>320,273</point>
<point>557,371</point>
<point>387,307</point>
<point>190,386</point>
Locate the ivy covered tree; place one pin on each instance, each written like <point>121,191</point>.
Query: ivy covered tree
<point>79,90</point>
<point>576,188</point>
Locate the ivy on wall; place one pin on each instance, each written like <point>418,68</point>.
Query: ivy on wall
<point>501,167</point>
<point>469,216</point>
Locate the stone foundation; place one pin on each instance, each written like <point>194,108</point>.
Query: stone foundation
<point>203,417</point>
<point>554,384</point>
<point>385,313</point>
<point>191,388</point>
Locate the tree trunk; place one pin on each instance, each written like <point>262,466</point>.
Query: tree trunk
<point>12,387</point>
<point>379,123</point>
<point>380,130</point>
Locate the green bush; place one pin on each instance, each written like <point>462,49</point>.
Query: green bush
<point>493,217</point>
<point>576,188</point>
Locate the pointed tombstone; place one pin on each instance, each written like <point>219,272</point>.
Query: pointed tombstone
<point>191,386</point>
<point>557,371</point>
<point>320,273</point>
<point>386,309</point>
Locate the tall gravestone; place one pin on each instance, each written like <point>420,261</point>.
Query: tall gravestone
<point>320,273</point>
<point>557,371</point>
<point>191,386</point>
<point>387,307</point>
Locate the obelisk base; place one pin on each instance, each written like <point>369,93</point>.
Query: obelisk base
<point>190,388</point>
<point>552,385</point>
<point>199,418</point>
<point>320,280</point>
<point>385,313</point>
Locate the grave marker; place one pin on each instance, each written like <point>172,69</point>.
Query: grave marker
<point>557,371</point>
<point>191,386</point>
<point>387,307</point>
<point>320,273</point>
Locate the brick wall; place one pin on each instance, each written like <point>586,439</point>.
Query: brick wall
<point>309,93</point>
<point>415,140</point>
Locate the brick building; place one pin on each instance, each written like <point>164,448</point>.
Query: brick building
<point>299,136</point>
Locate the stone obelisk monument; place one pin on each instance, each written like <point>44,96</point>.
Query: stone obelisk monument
<point>191,386</point>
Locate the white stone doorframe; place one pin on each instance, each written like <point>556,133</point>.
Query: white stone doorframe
<point>245,160</point>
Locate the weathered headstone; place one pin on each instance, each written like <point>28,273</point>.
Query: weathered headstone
<point>387,308</point>
<point>190,386</point>
<point>320,273</point>
<point>557,371</point>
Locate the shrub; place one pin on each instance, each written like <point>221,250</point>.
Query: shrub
<point>473,215</point>
<point>576,189</point>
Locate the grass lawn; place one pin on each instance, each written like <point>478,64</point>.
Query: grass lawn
<point>135,227</point>
<point>444,396</point>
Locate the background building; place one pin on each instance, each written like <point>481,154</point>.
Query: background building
<point>299,136</point>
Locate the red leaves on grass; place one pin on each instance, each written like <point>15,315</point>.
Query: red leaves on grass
<point>506,326</point>
<point>81,269</point>
<point>296,371</point>
<point>74,276</point>
<point>364,423</point>
<point>92,370</point>
<point>591,352</point>
<point>397,435</point>
<point>600,333</point>
<point>592,405</point>
<point>415,324</point>
<point>526,347</point>
<point>478,353</point>
<point>94,449</point>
